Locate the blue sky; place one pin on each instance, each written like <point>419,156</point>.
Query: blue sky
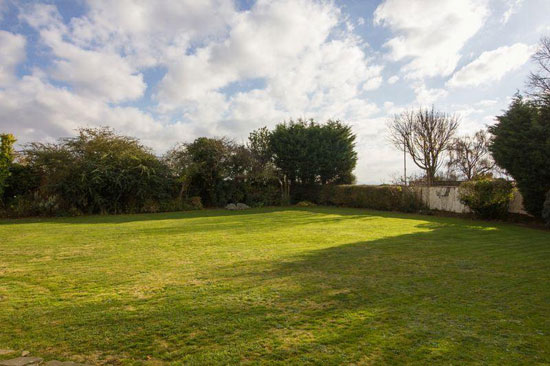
<point>170,71</point>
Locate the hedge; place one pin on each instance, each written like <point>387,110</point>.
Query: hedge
<point>386,198</point>
<point>546,209</point>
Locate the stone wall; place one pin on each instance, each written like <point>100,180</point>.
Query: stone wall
<point>446,198</point>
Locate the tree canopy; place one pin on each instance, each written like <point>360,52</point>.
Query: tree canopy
<point>521,145</point>
<point>309,153</point>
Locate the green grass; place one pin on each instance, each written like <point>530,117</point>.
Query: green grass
<point>305,286</point>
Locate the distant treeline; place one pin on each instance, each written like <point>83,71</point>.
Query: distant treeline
<point>100,171</point>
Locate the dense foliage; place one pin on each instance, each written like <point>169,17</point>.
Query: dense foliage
<point>99,171</point>
<point>310,153</point>
<point>488,198</point>
<point>521,145</point>
<point>220,172</point>
<point>546,209</point>
<point>6,158</point>
<point>387,198</point>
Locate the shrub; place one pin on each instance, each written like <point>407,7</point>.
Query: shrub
<point>305,204</point>
<point>305,192</point>
<point>196,203</point>
<point>386,198</point>
<point>546,209</point>
<point>487,198</point>
<point>97,171</point>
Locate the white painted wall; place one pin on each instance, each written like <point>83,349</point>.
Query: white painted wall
<point>446,198</point>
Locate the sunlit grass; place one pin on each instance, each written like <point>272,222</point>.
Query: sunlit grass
<point>276,286</point>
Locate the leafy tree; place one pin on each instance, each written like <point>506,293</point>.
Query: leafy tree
<point>99,171</point>
<point>337,157</point>
<point>181,165</point>
<point>258,144</point>
<point>309,153</point>
<point>6,158</point>
<point>425,134</point>
<point>521,145</point>
<point>470,155</point>
<point>203,166</point>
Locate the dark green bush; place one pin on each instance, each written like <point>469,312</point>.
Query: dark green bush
<point>386,198</point>
<point>546,209</point>
<point>97,171</point>
<point>487,198</point>
<point>195,203</point>
<point>305,204</point>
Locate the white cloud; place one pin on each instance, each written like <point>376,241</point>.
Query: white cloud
<point>151,33</point>
<point>262,43</point>
<point>492,65</point>
<point>100,56</point>
<point>12,52</point>
<point>373,84</point>
<point>427,96</point>
<point>394,79</point>
<point>513,7</point>
<point>101,74</point>
<point>431,32</point>
<point>313,75</point>
<point>34,110</point>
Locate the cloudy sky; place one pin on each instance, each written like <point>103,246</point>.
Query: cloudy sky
<point>172,70</point>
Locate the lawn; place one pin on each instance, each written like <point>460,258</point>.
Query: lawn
<point>316,286</point>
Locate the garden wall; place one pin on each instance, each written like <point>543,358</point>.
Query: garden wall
<point>446,198</point>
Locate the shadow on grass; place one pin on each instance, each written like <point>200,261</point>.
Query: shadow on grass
<point>452,294</point>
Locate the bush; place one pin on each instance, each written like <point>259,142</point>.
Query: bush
<point>546,209</point>
<point>305,204</point>
<point>195,203</point>
<point>386,198</point>
<point>487,198</point>
<point>97,171</point>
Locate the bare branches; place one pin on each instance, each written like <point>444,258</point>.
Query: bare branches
<point>470,156</point>
<point>539,81</point>
<point>425,134</point>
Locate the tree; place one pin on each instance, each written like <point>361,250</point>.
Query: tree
<point>311,153</point>
<point>258,144</point>
<point>209,167</point>
<point>539,81</point>
<point>337,157</point>
<point>181,165</point>
<point>521,145</point>
<point>425,134</point>
<point>6,158</point>
<point>470,156</point>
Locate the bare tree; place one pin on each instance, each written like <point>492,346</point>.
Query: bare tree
<point>425,134</point>
<point>470,156</point>
<point>539,81</point>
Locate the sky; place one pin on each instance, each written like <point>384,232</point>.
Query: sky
<point>169,71</point>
